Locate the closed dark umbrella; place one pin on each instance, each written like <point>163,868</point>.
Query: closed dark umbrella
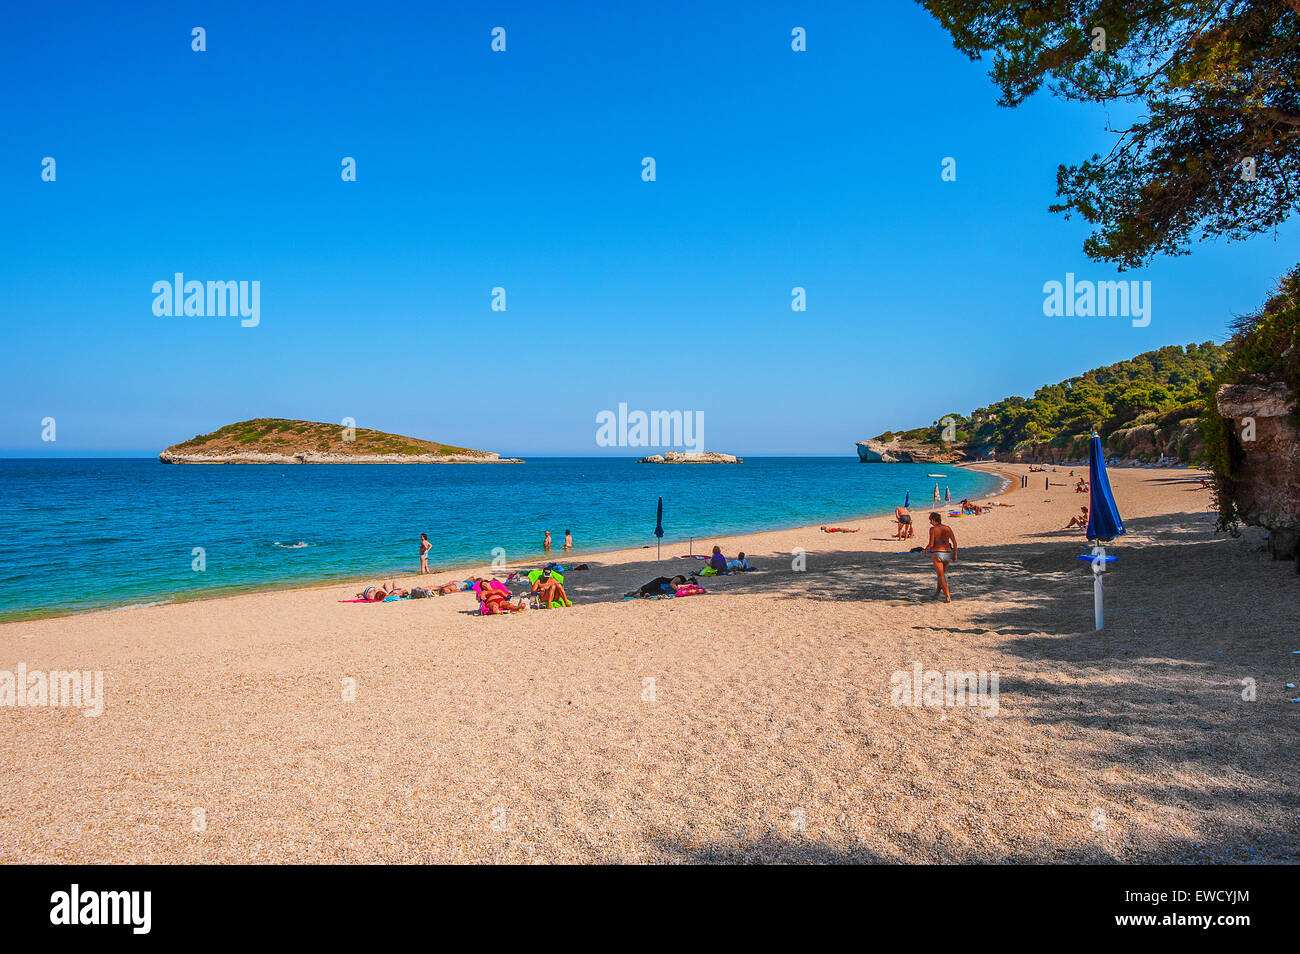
<point>907,500</point>
<point>659,528</point>
<point>1104,523</point>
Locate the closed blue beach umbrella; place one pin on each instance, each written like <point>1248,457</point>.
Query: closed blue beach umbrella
<point>907,500</point>
<point>659,527</point>
<point>1104,523</point>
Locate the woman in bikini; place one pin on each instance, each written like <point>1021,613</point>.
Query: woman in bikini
<point>425,547</point>
<point>495,601</point>
<point>943,550</point>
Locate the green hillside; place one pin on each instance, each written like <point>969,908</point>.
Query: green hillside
<point>1157,394</point>
<point>271,435</point>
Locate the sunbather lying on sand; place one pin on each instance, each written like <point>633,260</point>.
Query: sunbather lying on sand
<point>494,601</point>
<point>658,586</point>
<point>381,592</point>
<point>454,586</point>
<point>835,530</point>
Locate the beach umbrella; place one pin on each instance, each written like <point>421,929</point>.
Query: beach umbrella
<point>907,500</point>
<point>659,528</point>
<point>1104,523</point>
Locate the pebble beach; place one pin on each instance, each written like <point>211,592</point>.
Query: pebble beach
<point>755,723</point>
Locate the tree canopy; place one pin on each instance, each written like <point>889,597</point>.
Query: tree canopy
<point>1216,151</point>
<point>1172,382</point>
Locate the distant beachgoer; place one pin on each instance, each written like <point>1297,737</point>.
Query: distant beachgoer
<point>718,561</point>
<point>546,542</point>
<point>1080,521</point>
<point>904,518</point>
<point>425,547</point>
<point>943,550</point>
<point>740,563</point>
<point>568,540</point>
<point>835,530</point>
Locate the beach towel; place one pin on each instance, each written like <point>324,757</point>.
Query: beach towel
<point>690,589</point>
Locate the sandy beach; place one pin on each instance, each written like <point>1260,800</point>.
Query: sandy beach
<point>752,724</point>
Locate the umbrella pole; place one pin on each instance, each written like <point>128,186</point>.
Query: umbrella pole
<point>1098,609</point>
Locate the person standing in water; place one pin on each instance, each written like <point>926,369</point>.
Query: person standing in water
<point>568,540</point>
<point>546,542</point>
<point>425,547</point>
<point>943,550</point>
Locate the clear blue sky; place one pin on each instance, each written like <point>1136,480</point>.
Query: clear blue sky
<point>523,170</point>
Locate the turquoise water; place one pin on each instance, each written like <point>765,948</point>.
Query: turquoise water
<point>86,534</point>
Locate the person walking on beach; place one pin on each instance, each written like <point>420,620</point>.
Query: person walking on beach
<point>943,550</point>
<point>568,541</point>
<point>546,542</point>
<point>425,547</point>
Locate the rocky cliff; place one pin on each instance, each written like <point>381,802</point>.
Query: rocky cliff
<point>1265,449</point>
<point>899,451</point>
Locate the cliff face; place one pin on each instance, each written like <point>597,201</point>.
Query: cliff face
<point>1265,445</point>
<point>280,441</point>
<point>906,452</point>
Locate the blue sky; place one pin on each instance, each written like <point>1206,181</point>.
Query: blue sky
<point>522,170</point>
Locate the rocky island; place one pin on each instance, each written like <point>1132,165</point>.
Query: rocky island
<point>704,457</point>
<point>267,440</point>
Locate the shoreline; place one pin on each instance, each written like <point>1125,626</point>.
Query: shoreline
<point>540,558</point>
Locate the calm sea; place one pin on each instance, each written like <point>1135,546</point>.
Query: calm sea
<point>86,534</point>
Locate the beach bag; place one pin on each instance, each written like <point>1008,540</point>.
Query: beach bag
<point>708,571</point>
<point>420,593</point>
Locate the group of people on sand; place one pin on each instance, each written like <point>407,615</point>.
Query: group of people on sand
<point>547,588</point>
<point>568,541</point>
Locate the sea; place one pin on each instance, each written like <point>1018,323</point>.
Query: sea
<point>99,534</point>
